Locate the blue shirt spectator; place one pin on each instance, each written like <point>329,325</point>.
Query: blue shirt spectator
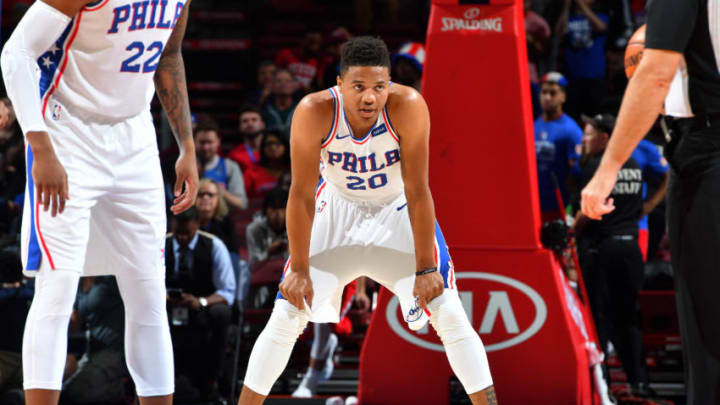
<point>584,48</point>
<point>557,142</point>
<point>222,272</point>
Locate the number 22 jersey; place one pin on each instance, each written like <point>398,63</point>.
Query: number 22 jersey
<point>105,59</point>
<point>364,169</point>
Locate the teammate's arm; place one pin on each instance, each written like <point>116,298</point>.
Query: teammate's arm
<point>171,89</point>
<point>411,120</point>
<point>311,120</point>
<point>19,61</point>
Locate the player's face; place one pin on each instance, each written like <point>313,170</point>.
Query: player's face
<point>552,96</point>
<point>207,198</point>
<point>251,123</point>
<point>365,91</point>
<point>207,144</point>
<point>593,140</point>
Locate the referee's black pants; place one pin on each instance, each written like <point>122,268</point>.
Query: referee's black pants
<point>694,230</point>
<point>613,271</point>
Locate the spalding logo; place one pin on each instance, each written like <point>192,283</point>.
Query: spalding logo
<point>391,314</point>
<point>471,13</point>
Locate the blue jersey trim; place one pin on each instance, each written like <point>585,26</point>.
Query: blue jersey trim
<point>49,62</point>
<point>332,127</point>
<point>364,138</point>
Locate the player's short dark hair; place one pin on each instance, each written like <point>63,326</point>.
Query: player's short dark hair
<point>206,125</point>
<point>191,214</point>
<point>275,198</point>
<point>364,51</point>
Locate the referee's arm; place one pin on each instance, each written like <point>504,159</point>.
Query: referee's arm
<point>669,27</point>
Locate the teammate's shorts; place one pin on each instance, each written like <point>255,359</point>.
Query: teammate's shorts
<point>351,239</point>
<point>115,218</point>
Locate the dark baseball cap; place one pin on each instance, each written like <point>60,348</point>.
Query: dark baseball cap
<point>603,122</point>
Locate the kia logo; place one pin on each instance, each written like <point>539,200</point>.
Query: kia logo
<point>471,13</point>
<point>521,336</point>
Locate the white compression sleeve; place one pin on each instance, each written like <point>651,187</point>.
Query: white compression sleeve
<point>463,346</point>
<point>273,347</point>
<point>19,61</point>
<point>45,339</point>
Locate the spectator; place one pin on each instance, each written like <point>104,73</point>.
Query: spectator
<point>15,298</point>
<point>224,171</point>
<point>537,34</point>
<point>274,165</point>
<point>278,110</point>
<point>100,372</point>
<point>407,65</point>
<point>213,218</point>
<point>610,257</point>
<point>331,67</point>
<point>585,32</point>
<point>655,168</point>
<point>201,289</point>
<point>263,87</point>
<point>213,213</point>
<point>266,235</point>
<point>557,144</point>
<point>303,62</point>
<point>251,127</point>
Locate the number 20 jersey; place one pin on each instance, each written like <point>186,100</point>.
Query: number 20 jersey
<point>105,59</point>
<point>364,169</point>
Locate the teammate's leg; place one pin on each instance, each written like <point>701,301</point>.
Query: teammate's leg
<point>45,336</point>
<point>320,367</point>
<point>272,351</point>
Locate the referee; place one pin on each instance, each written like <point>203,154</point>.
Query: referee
<point>689,28</point>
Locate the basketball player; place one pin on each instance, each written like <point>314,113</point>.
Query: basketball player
<point>371,215</point>
<point>94,202</point>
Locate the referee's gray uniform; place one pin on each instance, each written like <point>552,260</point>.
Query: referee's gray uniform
<point>692,27</point>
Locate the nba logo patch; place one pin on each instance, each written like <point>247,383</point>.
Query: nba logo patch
<point>56,112</point>
<point>321,207</point>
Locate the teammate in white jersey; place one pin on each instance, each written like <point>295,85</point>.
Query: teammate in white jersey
<point>371,215</point>
<point>80,75</point>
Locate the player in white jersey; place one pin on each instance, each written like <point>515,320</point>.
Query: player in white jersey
<point>371,215</point>
<point>80,75</point>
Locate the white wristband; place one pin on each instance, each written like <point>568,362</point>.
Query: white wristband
<point>19,61</point>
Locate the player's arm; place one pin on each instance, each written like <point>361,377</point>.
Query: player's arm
<point>411,120</point>
<point>311,121</point>
<point>171,88</point>
<point>19,63</point>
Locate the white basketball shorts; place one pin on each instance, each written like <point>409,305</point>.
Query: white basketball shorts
<point>115,218</point>
<point>351,238</point>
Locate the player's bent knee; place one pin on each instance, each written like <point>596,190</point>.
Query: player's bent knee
<point>449,319</point>
<point>286,322</point>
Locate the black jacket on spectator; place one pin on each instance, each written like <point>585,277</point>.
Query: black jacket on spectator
<point>199,281</point>
<point>225,230</point>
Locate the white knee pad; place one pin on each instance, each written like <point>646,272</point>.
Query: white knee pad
<point>148,347</point>
<point>463,346</point>
<point>273,347</point>
<point>45,338</point>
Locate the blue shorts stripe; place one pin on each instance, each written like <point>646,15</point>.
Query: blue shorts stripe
<point>34,254</point>
<point>443,255</point>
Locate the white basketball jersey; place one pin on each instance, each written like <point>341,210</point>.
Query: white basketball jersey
<point>362,168</point>
<point>105,60</point>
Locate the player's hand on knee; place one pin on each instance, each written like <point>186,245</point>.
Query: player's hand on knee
<point>296,287</point>
<point>50,180</point>
<point>427,287</point>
